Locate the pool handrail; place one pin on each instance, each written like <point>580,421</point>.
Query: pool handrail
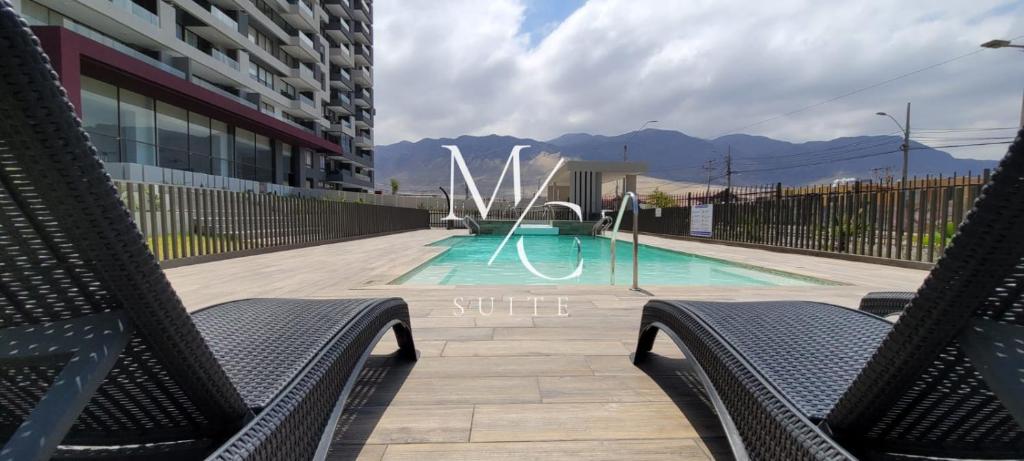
<point>601,225</point>
<point>636,240</point>
<point>471,224</point>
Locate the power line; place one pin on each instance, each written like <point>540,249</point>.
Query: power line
<point>856,157</point>
<point>957,130</point>
<point>859,90</point>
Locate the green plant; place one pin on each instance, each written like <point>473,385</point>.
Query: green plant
<point>394,186</point>
<point>660,199</point>
<point>950,230</point>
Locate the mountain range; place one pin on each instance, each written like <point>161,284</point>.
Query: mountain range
<point>424,165</point>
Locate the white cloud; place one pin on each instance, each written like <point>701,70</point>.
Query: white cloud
<point>453,67</point>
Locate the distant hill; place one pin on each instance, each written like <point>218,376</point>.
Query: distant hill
<point>424,165</point>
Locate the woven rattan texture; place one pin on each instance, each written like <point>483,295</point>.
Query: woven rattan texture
<point>770,426</point>
<point>919,393</point>
<point>291,426</point>
<point>264,343</point>
<point>809,351</point>
<point>883,303</point>
<point>68,248</point>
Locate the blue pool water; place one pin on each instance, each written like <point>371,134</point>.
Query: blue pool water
<point>465,263</point>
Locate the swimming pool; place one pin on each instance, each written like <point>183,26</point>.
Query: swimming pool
<point>465,263</point>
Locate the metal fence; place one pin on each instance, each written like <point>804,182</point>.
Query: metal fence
<point>186,222</point>
<point>911,223</point>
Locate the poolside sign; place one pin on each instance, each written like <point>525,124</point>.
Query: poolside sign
<point>513,160</point>
<point>701,219</point>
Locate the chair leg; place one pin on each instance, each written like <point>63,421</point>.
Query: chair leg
<point>406,346</point>
<point>645,342</point>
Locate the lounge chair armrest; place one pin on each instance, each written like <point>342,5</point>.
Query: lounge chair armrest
<point>883,303</point>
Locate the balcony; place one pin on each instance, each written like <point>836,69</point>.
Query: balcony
<point>339,30</point>
<point>304,107</point>
<point>363,98</point>
<point>342,125</point>
<point>363,55</point>
<point>361,11</point>
<point>364,140</point>
<point>341,79</point>
<point>137,10</point>
<point>215,26</point>
<point>340,102</point>
<point>223,92</point>
<point>122,47</point>
<point>364,119</point>
<point>300,16</point>
<point>362,33</point>
<point>302,47</point>
<point>224,58</point>
<point>362,77</point>
<point>302,78</point>
<point>349,177</point>
<point>337,7</point>
<point>341,56</point>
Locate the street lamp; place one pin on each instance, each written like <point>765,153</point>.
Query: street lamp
<point>625,148</point>
<point>1000,44</point>
<point>906,139</point>
<point>1006,44</point>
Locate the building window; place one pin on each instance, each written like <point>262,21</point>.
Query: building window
<point>288,91</point>
<point>323,161</point>
<point>199,143</point>
<point>264,161</point>
<point>245,154</point>
<point>172,136</point>
<point>261,74</point>
<point>129,127</point>
<point>138,130</point>
<point>100,117</point>
<point>286,165</point>
<point>309,183</point>
<point>307,158</point>
<point>222,148</point>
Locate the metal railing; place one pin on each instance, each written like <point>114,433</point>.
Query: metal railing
<point>636,239</point>
<point>180,223</point>
<point>137,10</point>
<point>224,58</point>
<point>85,31</point>
<point>223,92</point>
<point>223,17</point>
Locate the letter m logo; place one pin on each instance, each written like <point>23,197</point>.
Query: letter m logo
<point>517,191</point>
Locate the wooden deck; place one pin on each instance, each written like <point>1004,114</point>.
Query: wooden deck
<point>527,385</point>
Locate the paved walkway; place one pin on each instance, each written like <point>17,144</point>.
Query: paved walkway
<point>530,385</point>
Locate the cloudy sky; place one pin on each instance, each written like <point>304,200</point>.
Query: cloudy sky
<point>541,68</point>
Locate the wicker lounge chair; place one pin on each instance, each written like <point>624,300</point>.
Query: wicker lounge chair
<point>803,380</point>
<point>885,303</point>
<point>98,357</point>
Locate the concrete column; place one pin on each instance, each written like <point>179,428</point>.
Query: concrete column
<point>165,11</point>
<point>65,58</point>
<point>631,183</point>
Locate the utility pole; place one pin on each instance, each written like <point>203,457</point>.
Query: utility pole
<point>625,156</point>
<point>728,170</point>
<point>709,168</point>
<point>905,128</point>
<point>906,145</point>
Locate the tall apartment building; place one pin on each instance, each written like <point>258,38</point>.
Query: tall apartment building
<point>219,92</point>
